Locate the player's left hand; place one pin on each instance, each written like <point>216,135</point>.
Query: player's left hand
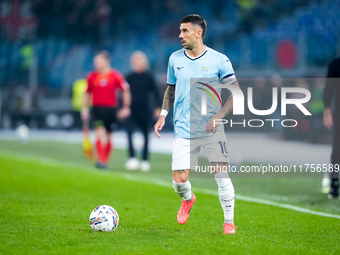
<point>124,113</point>
<point>210,127</point>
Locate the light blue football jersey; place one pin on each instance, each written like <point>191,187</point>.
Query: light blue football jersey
<point>186,73</point>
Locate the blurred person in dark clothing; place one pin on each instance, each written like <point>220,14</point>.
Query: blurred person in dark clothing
<point>142,85</point>
<point>332,92</point>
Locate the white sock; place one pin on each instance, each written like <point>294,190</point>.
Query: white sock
<point>226,195</point>
<point>183,190</point>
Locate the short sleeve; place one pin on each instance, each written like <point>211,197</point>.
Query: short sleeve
<point>89,81</point>
<point>226,69</point>
<point>171,78</point>
<point>123,85</point>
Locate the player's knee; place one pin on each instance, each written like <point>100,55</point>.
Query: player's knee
<point>101,134</point>
<point>180,176</point>
<point>180,179</point>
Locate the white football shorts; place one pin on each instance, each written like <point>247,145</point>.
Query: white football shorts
<point>185,151</point>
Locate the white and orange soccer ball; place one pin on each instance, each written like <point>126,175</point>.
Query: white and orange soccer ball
<point>104,218</point>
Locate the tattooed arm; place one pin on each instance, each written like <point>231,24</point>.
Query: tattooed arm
<point>169,97</point>
<point>225,110</point>
<point>228,106</point>
<point>168,102</point>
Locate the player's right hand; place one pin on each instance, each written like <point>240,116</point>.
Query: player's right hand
<point>159,125</point>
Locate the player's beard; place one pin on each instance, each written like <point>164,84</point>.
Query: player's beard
<point>188,47</point>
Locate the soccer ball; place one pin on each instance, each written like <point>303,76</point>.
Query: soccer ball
<point>104,218</point>
<point>22,133</point>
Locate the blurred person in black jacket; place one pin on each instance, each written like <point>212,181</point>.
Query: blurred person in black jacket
<point>332,119</point>
<point>142,85</point>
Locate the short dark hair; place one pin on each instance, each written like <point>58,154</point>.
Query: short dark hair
<point>197,20</point>
<point>105,54</point>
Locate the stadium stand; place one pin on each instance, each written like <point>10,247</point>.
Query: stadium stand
<point>289,38</point>
<point>79,28</point>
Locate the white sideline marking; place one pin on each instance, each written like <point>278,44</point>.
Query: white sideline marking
<point>53,163</point>
<point>286,206</point>
<point>240,197</point>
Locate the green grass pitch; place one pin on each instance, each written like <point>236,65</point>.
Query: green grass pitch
<point>47,191</point>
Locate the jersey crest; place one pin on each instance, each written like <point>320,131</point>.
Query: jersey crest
<point>205,69</point>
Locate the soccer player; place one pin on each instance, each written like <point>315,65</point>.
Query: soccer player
<point>196,60</point>
<point>102,87</point>
<point>332,91</point>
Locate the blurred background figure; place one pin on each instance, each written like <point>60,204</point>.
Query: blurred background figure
<point>102,87</point>
<point>21,104</point>
<point>332,120</point>
<point>246,12</point>
<point>78,94</point>
<point>142,86</point>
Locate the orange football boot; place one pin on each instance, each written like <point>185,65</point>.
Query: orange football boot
<point>184,211</point>
<point>229,228</point>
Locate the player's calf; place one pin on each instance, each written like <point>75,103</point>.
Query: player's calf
<point>226,195</point>
<point>184,191</point>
